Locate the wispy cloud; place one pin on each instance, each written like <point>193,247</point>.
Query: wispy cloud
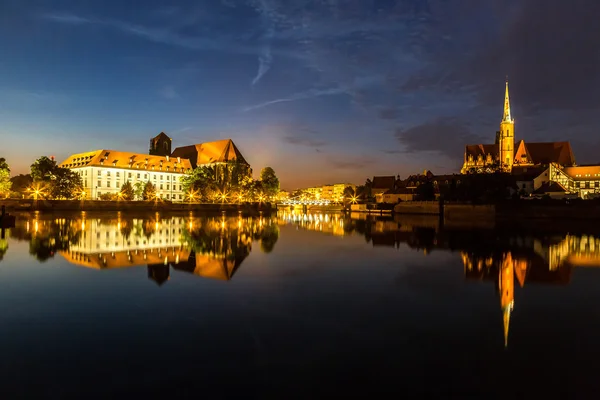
<point>157,35</point>
<point>299,96</point>
<point>168,36</point>
<point>265,58</point>
<point>67,19</point>
<point>184,129</point>
<point>264,63</point>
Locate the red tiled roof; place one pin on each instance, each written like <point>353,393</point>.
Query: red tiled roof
<point>124,159</point>
<point>476,150</point>
<point>583,172</point>
<point>210,152</point>
<point>549,152</point>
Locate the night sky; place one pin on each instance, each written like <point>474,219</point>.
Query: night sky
<point>324,91</point>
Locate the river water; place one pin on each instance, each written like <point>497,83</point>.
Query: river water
<point>294,306</point>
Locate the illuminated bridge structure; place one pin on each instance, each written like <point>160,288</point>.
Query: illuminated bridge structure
<point>298,201</point>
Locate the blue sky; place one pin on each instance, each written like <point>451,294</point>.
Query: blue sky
<point>323,91</point>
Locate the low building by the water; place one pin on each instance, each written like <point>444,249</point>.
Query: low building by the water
<point>105,171</point>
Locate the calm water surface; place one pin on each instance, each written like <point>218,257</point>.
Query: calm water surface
<point>294,306</point>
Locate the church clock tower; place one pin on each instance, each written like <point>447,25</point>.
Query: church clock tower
<point>506,137</point>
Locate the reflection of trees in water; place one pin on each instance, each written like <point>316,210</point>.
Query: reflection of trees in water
<point>46,237</point>
<point>3,246</point>
<point>230,237</point>
<point>268,238</point>
<point>149,227</point>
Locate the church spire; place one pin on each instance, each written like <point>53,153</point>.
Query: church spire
<point>506,117</point>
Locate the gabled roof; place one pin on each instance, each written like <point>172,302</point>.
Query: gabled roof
<point>521,153</point>
<point>128,160</point>
<point>550,187</point>
<point>476,150</point>
<point>549,152</point>
<point>383,182</point>
<point>220,151</point>
<point>161,135</point>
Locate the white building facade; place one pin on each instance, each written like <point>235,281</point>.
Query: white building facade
<point>105,172</point>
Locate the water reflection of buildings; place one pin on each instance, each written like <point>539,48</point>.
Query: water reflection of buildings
<point>488,255</point>
<point>327,223</point>
<point>210,247</point>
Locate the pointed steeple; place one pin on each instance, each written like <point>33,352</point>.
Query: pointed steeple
<point>506,117</point>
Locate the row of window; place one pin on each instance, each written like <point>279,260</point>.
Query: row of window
<point>129,175</point>
<point>160,231</point>
<point>587,185</point>
<point>162,196</point>
<point>118,185</point>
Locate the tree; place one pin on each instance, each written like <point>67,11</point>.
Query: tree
<point>269,181</point>
<point>43,169</point>
<point>5,183</point>
<point>127,192</point>
<point>138,190</point>
<point>202,182</point>
<point>20,183</point>
<point>349,193</point>
<point>149,192</point>
<point>66,184</point>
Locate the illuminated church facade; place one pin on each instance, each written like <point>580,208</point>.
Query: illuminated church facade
<point>540,169</point>
<point>505,155</point>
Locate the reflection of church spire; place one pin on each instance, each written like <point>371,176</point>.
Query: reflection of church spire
<point>507,291</point>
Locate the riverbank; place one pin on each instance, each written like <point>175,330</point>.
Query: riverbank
<point>50,206</point>
<point>510,210</point>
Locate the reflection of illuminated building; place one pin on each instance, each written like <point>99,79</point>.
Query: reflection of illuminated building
<point>127,242</point>
<point>332,224</point>
<point>207,247</point>
<point>503,268</point>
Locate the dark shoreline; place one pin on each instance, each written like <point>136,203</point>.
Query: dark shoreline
<point>132,207</point>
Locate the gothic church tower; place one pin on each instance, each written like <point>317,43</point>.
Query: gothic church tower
<point>506,137</point>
